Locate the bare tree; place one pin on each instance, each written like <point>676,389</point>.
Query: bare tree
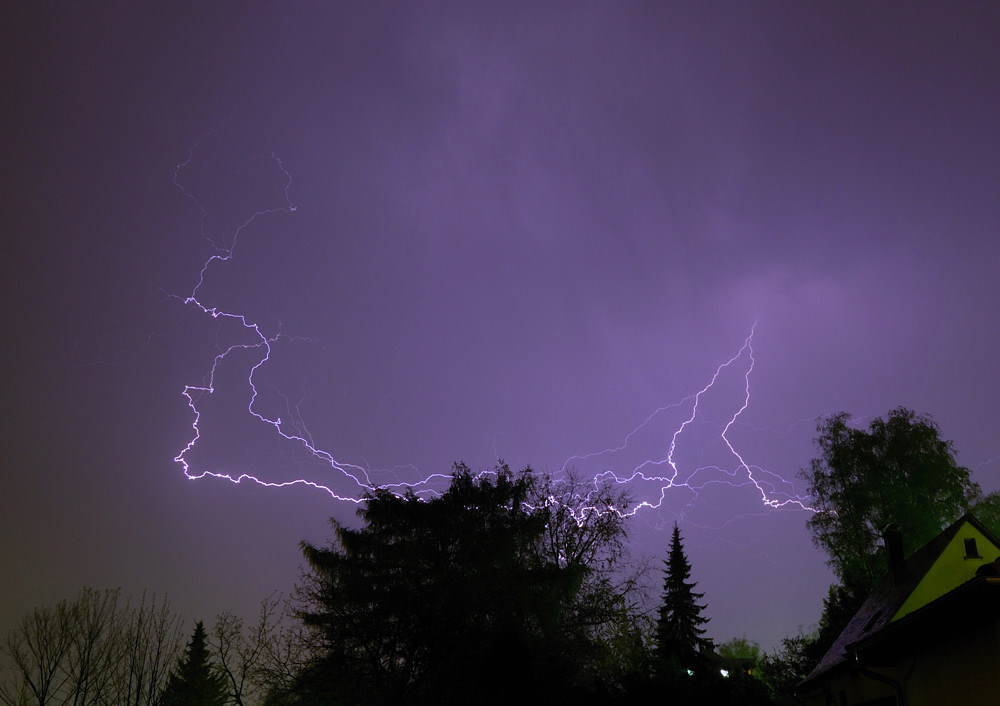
<point>150,645</point>
<point>292,648</point>
<point>240,650</point>
<point>15,693</point>
<point>36,650</point>
<point>92,651</point>
<point>94,647</point>
<point>258,658</point>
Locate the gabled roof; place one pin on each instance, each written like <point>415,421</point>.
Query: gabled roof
<point>889,596</point>
<point>972,605</point>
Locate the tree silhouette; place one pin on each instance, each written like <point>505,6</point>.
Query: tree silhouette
<point>457,599</point>
<point>899,471</point>
<point>679,641</point>
<point>93,649</point>
<point>194,683</point>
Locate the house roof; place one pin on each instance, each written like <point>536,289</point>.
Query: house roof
<point>970,606</point>
<point>889,596</point>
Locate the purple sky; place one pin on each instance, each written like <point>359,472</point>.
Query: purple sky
<point>520,231</point>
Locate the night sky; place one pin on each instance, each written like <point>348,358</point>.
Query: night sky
<point>520,231</point>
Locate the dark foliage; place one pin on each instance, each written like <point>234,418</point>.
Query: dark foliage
<point>456,600</point>
<point>194,683</point>
<point>785,668</point>
<point>898,471</point>
<point>987,511</point>
<point>839,606</point>
<point>781,671</point>
<point>679,642</point>
<point>684,666</point>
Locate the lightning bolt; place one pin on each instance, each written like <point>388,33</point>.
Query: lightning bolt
<point>260,345</point>
<point>743,474</point>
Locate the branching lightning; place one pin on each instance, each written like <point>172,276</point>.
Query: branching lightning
<point>293,430</point>
<point>742,475</point>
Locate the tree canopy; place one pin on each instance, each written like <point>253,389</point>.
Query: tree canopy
<point>740,648</point>
<point>472,596</point>
<point>899,470</point>
<point>987,511</point>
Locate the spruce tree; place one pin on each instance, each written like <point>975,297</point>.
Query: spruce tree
<point>194,683</point>
<point>679,641</point>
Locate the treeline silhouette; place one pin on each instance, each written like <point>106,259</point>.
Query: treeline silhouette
<point>510,586</point>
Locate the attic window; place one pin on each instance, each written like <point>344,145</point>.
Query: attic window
<point>971,552</point>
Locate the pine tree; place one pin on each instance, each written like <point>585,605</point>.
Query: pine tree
<point>679,641</point>
<point>194,683</point>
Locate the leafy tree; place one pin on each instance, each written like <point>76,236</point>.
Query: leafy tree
<point>987,510</point>
<point>740,648</point>
<point>470,597</point>
<point>742,660</point>
<point>604,624</point>
<point>839,606</point>
<point>781,671</point>
<point>195,683</point>
<point>679,641</point>
<point>898,471</point>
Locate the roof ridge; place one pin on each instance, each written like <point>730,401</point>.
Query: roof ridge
<point>890,594</point>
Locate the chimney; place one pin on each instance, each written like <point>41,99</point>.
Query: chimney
<point>893,539</point>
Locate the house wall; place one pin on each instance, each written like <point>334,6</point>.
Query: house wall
<point>857,689</point>
<point>958,671</point>
<point>962,671</point>
<point>951,569</point>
